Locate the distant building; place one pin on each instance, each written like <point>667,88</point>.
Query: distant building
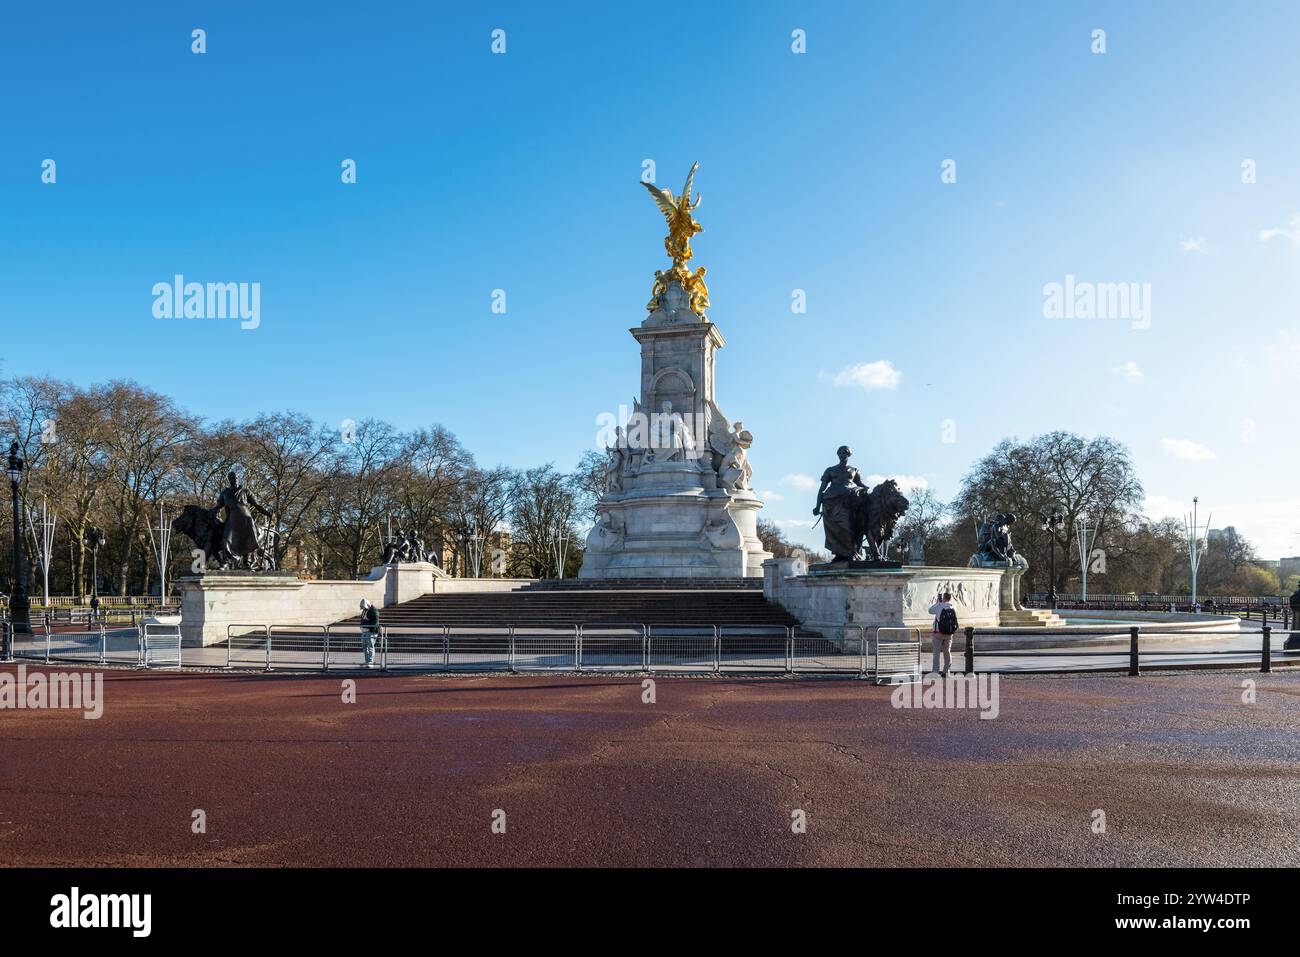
<point>454,557</point>
<point>1226,535</point>
<point>1286,567</point>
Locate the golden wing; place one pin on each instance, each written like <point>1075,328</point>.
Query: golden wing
<point>664,199</point>
<point>686,193</point>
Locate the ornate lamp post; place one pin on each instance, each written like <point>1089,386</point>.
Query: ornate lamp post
<point>19,606</point>
<point>1053,522</point>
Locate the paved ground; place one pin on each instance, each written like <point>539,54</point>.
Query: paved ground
<point>589,774</point>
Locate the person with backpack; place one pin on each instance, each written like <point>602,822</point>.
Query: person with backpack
<point>369,632</point>
<point>945,626</point>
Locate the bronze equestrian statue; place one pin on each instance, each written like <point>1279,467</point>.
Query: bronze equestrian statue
<point>238,541</point>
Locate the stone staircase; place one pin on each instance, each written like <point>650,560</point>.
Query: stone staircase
<point>639,584</point>
<point>725,602</point>
<point>1030,618</point>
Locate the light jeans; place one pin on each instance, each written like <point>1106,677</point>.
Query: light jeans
<point>940,642</point>
<point>368,647</point>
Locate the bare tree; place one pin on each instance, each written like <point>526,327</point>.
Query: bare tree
<point>482,503</point>
<point>545,504</point>
<point>435,466</point>
<point>291,461</point>
<point>144,435</point>
<point>1057,470</point>
<point>360,493</point>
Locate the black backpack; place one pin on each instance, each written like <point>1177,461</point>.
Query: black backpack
<point>948,621</point>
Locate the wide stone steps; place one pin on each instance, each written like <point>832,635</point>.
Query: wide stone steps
<point>642,584</point>
<point>596,606</point>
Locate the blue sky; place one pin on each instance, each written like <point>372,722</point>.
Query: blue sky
<point>820,172</point>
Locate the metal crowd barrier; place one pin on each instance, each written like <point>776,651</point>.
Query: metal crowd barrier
<point>70,645</point>
<point>1131,659</point>
<point>816,654</point>
<point>613,647</point>
<point>150,646</point>
<point>898,655</point>
<point>545,649</point>
<point>160,645</point>
<point>424,648</point>
<point>344,645</point>
<point>299,646</point>
<point>248,648</point>
<point>522,648</point>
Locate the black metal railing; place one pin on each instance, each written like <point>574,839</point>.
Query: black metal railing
<point>1135,653</point>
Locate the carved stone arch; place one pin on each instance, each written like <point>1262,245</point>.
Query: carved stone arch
<point>673,385</point>
<point>686,386</point>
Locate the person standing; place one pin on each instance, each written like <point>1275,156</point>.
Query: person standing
<point>369,632</point>
<point>944,627</point>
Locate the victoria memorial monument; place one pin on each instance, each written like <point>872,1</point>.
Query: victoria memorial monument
<point>678,499</point>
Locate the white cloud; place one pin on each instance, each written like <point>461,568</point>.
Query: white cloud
<point>1161,506</point>
<point>1128,371</point>
<point>794,523</point>
<point>770,496</point>
<point>1272,527</point>
<point>1292,234</point>
<point>1187,450</point>
<point>906,483</point>
<point>805,483</point>
<point>880,374</point>
<point>1195,244</point>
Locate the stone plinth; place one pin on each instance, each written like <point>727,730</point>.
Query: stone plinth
<point>1011,613</point>
<point>829,602</point>
<point>688,532</point>
<point>672,511</point>
<point>212,602</point>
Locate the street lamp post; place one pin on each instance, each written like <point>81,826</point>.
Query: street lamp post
<point>1293,639</point>
<point>1195,543</point>
<point>44,540</point>
<point>94,540</point>
<point>476,554</point>
<point>1052,523</point>
<point>560,551</point>
<point>19,606</point>
<point>1087,537</point>
<point>161,550</point>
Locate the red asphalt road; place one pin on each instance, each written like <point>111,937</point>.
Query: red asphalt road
<point>587,774</point>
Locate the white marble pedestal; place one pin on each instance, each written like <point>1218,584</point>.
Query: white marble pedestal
<point>833,603</point>
<point>212,602</point>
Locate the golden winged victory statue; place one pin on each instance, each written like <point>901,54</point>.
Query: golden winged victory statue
<point>682,227</point>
